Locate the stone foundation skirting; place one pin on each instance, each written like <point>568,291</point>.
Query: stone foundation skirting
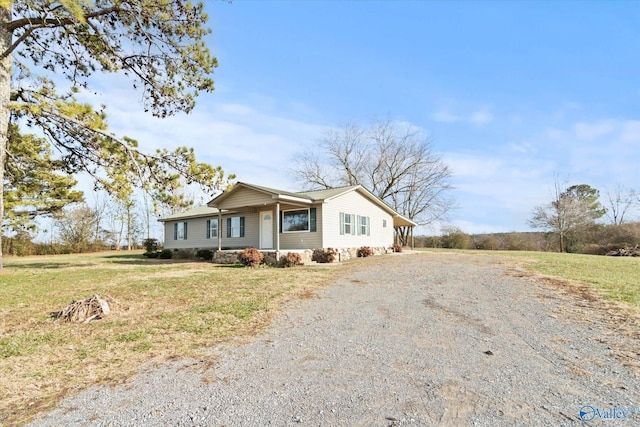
<point>230,256</point>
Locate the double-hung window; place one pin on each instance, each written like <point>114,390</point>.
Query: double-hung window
<point>235,226</point>
<point>180,231</point>
<point>347,223</point>
<point>363,225</point>
<point>212,229</point>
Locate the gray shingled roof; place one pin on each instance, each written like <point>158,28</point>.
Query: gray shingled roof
<point>327,193</point>
<point>192,213</point>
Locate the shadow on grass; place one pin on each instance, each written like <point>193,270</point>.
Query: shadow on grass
<point>124,259</point>
<point>46,265</point>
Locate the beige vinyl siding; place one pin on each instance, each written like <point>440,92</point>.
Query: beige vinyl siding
<point>304,239</point>
<point>197,234</point>
<point>356,204</point>
<point>251,232</point>
<point>245,197</point>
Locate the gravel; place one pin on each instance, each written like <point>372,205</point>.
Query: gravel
<point>415,340</point>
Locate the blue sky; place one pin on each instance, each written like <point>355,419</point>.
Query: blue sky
<point>513,94</point>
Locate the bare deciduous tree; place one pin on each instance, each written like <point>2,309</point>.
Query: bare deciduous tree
<point>393,160</point>
<point>76,227</point>
<point>619,202</point>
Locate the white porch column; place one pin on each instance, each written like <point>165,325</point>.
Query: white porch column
<point>413,243</point>
<point>277,230</point>
<point>219,230</point>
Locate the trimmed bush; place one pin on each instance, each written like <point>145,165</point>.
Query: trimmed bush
<point>365,251</point>
<point>165,254</point>
<point>151,245</point>
<point>397,247</point>
<point>291,260</point>
<point>153,254</point>
<point>205,254</point>
<point>183,254</point>
<point>251,257</point>
<point>324,255</point>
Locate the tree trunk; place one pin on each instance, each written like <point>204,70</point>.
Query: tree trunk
<point>5,98</point>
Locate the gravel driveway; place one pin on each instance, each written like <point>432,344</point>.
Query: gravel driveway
<point>422,339</point>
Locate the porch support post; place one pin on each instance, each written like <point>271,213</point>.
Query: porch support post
<point>412,241</point>
<point>219,230</point>
<point>277,230</point>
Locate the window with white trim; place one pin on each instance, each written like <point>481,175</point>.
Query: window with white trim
<point>363,226</point>
<point>212,229</point>
<point>180,231</point>
<point>348,223</point>
<point>235,226</point>
<point>295,220</point>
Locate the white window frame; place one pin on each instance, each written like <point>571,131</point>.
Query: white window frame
<point>235,226</point>
<point>284,213</point>
<point>347,223</point>
<point>180,231</point>
<point>213,228</point>
<point>363,226</point>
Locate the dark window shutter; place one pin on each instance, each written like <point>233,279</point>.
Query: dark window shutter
<point>208,229</point>
<point>241,226</point>
<point>175,231</point>
<point>228,227</point>
<point>281,220</point>
<point>341,222</point>
<point>185,230</point>
<point>312,219</point>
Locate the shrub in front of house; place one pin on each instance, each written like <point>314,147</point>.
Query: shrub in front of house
<point>324,255</point>
<point>365,251</point>
<point>397,247</point>
<point>165,254</point>
<point>290,260</point>
<point>151,245</point>
<point>251,257</point>
<point>204,254</point>
<point>183,254</point>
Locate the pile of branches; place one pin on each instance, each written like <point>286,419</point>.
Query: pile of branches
<point>86,310</point>
<point>635,251</point>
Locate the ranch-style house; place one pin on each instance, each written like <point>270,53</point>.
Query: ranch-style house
<point>273,220</point>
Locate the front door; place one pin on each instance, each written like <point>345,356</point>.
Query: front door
<point>266,230</point>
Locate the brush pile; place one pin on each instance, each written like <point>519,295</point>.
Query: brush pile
<point>86,310</point>
<point>635,251</point>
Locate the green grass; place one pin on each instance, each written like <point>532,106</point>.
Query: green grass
<point>617,278</point>
<point>164,309</point>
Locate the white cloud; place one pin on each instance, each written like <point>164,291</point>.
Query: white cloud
<point>590,131</point>
<point>480,117</point>
<point>523,147</point>
<point>630,132</point>
<point>445,116</point>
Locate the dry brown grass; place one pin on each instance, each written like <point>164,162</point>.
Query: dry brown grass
<point>165,310</point>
